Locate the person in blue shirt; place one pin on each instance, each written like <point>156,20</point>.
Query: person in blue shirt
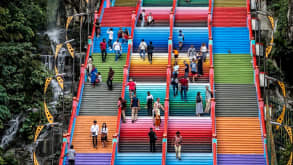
<point>94,73</point>
<point>134,107</point>
<point>180,39</point>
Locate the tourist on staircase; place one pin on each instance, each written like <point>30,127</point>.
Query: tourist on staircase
<point>193,67</point>
<point>175,68</point>
<point>71,155</point>
<point>200,64</point>
<point>153,138</point>
<point>150,19</point>
<point>174,82</point>
<point>135,105</point>
<point>125,36</point>
<point>184,88</point>
<point>186,69</point>
<point>94,76</point>
<point>150,100</point>
<point>209,96</point>
<point>120,32</point>
<point>150,49</point>
<point>142,49</point>
<point>110,38</point>
<point>178,144</point>
<point>104,134</point>
<point>142,17</point>
<point>204,51</point>
<point>199,106</point>
<point>132,87</point>
<point>89,68</point>
<point>157,114</point>
<point>95,133</point>
<point>180,39</point>
<point>122,105</point>
<point>110,78</point>
<point>103,47</point>
<point>118,49</point>
<point>176,53</point>
<point>191,53</point>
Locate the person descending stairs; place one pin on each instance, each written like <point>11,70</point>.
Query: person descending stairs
<point>239,136</point>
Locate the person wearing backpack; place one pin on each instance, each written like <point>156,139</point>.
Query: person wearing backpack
<point>199,108</point>
<point>142,17</point>
<point>153,138</point>
<point>150,100</point>
<point>122,104</point>
<point>150,49</point>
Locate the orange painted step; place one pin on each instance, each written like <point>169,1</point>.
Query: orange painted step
<point>82,139</point>
<point>239,135</point>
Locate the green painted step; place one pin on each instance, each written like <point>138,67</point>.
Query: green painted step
<point>110,62</point>
<point>157,3</point>
<point>179,107</point>
<point>193,3</point>
<point>230,3</point>
<point>233,69</point>
<point>125,3</point>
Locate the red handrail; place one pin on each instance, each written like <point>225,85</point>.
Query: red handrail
<point>257,85</point>
<point>125,76</point>
<point>81,82</point>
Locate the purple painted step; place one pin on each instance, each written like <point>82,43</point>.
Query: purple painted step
<point>232,159</point>
<point>93,159</point>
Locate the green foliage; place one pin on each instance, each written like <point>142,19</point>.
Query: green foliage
<point>20,20</point>
<point>283,47</point>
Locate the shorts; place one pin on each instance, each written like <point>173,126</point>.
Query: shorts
<point>193,72</point>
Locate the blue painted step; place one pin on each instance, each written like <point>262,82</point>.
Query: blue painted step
<point>235,40</point>
<point>93,159</point>
<point>158,35</point>
<point>105,35</point>
<point>138,158</point>
<point>190,159</point>
<point>192,36</point>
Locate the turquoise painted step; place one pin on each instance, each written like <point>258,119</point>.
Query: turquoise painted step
<point>105,35</point>
<point>153,3</point>
<point>138,158</point>
<point>179,107</point>
<point>233,69</point>
<point>157,90</point>
<point>190,159</point>
<point>235,40</point>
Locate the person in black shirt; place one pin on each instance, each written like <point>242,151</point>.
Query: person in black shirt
<point>186,69</point>
<point>98,29</point>
<point>153,138</point>
<point>150,52</point>
<point>150,100</point>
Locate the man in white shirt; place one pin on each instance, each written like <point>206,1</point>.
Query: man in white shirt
<point>191,52</point>
<point>143,48</point>
<point>95,133</point>
<point>117,49</point>
<point>110,38</point>
<point>150,19</point>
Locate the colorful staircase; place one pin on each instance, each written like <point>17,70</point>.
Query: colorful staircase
<point>134,136</point>
<point>117,17</point>
<point>155,3</point>
<point>191,17</point>
<point>156,71</point>
<point>193,3</point>
<point>160,15</point>
<point>104,35</point>
<point>239,132</point>
<point>139,158</point>
<point>128,3</point>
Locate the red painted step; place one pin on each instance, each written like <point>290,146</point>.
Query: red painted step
<point>117,17</point>
<point>229,17</point>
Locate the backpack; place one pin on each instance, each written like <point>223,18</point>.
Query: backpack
<point>140,16</point>
<point>198,99</point>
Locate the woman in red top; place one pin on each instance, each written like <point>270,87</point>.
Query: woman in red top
<point>132,87</point>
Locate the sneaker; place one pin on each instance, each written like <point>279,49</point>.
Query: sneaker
<point>132,121</point>
<point>179,158</point>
